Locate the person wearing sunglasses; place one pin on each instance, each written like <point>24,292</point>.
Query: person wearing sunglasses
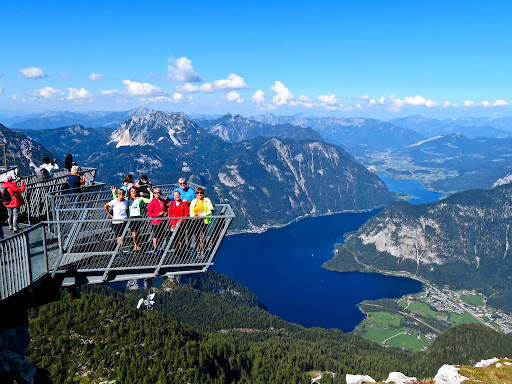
<point>201,207</point>
<point>157,208</point>
<point>187,193</point>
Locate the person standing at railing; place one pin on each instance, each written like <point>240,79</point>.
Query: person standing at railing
<point>135,209</point>
<point>157,208</point>
<point>16,202</point>
<point>75,181</point>
<point>45,171</point>
<point>202,207</point>
<point>178,208</point>
<point>187,193</point>
<point>119,214</point>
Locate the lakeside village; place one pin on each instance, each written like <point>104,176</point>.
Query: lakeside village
<point>470,302</point>
<point>424,315</point>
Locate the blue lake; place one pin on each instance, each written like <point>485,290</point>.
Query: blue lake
<point>283,267</point>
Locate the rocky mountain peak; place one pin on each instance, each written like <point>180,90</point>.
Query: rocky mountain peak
<point>154,128</point>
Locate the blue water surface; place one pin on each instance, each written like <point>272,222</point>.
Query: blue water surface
<point>283,267</point>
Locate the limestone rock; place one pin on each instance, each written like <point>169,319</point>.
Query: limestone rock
<point>486,363</point>
<point>358,379</point>
<point>449,374</point>
<point>399,378</point>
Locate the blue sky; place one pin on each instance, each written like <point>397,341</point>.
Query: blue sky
<point>381,59</point>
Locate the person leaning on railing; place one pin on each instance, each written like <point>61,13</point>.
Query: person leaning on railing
<point>157,208</point>
<point>201,206</point>
<point>135,202</point>
<point>75,181</point>
<point>119,214</point>
<point>16,202</point>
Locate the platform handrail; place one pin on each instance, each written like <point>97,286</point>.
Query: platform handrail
<point>36,190</point>
<point>22,260</point>
<point>90,246</point>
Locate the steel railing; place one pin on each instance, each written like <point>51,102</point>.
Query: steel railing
<point>22,260</point>
<point>78,243</point>
<point>10,171</point>
<point>35,206</point>
<point>89,245</point>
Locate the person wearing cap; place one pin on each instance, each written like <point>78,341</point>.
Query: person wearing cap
<point>75,180</point>
<point>187,193</point>
<point>16,202</point>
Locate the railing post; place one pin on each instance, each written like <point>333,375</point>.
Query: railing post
<point>157,270</point>
<point>116,251</point>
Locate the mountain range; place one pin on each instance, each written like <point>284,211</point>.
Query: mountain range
<point>234,128</point>
<point>23,152</point>
<point>267,180</point>
<point>471,127</point>
<point>356,135</point>
<point>463,241</point>
<point>55,119</point>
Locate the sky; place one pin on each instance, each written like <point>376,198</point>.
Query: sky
<point>382,59</point>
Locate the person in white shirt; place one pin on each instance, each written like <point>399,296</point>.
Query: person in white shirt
<point>50,165</point>
<point>119,214</point>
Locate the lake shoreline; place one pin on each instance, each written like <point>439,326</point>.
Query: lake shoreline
<point>259,230</point>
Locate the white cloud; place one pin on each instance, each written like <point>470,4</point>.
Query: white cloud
<point>485,103</point>
<point>329,99</point>
<point>65,75</point>
<point>348,108</point>
<point>187,88</point>
<point>258,97</point>
<point>365,97</point>
<point>109,91</point>
<point>134,88</point>
<point>47,93</point>
<point>283,94</point>
<point>176,98</point>
<point>179,70</point>
<point>1,91</point>
<point>78,94</point>
<point>447,104</point>
<point>14,97</point>
<point>234,97</point>
<point>304,101</point>
<point>500,103</point>
<point>96,77</point>
<point>420,100</point>
<point>469,103</point>
<point>232,82</point>
<point>32,73</point>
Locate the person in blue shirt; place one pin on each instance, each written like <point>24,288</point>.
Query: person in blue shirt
<point>187,193</point>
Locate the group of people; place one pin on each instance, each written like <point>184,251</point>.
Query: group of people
<point>12,188</point>
<point>129,200</point>
<point>132,200</point>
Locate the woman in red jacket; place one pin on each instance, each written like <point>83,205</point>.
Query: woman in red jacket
<point>157,208</point>
<point>178,208</point>
<point>16,202</point>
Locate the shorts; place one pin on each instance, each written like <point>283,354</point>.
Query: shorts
<point>118,229</point>
<point>135,225</point>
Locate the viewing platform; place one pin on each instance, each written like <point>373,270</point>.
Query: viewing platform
<point>70,241</point>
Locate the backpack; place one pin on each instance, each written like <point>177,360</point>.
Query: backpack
<point>6,196</point>
<point>144,189</point>
<point>43,174</point>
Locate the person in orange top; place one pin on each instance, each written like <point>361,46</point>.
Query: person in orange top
<point>16,202</point>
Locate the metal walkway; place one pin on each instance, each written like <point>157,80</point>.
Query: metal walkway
<point>77,245</point>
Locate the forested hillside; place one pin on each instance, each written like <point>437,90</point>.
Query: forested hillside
<point>212,330</point>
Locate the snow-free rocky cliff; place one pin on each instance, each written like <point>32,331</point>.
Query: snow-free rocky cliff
<point>464,241</point>
<point>267,180</point>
